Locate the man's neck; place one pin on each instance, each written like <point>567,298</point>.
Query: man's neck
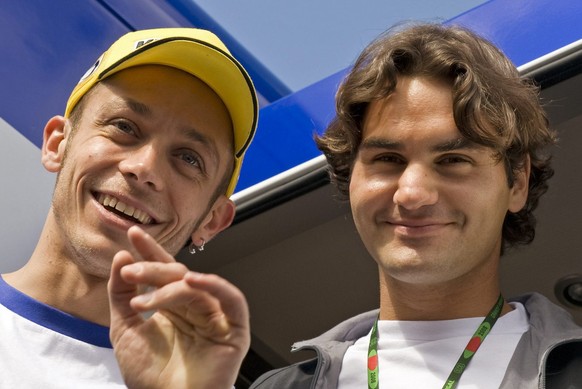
<point>54,279</point>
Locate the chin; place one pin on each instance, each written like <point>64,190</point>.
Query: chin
<point>413,270</point>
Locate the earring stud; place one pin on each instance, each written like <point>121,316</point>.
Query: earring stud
<point>193,247</point>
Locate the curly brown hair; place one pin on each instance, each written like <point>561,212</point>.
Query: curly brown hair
<point>492,106</point>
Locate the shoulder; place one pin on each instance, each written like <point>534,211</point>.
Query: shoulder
<point>347,331</point>
<point>330,348</point>
<point>547,317</point>
<point>553,342</point>
<point>297,376</point>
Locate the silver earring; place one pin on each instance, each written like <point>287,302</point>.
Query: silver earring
<point>193,247</point>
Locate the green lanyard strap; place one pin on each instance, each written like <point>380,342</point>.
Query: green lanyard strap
<point>470,350</point>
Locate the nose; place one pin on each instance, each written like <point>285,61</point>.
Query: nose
<point>416,188</point>
<point>144,166</point>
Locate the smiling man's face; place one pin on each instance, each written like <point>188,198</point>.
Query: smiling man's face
<point>428,203</point>
<point>152,147</point>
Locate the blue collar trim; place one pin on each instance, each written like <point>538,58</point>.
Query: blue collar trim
<point>51,318</point>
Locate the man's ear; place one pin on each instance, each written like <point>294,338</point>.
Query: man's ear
<point>520,189</point>
<point>54,142</point>
<point>218,218</point>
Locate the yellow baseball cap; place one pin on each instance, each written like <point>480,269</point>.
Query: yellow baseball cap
<point>195,51</point>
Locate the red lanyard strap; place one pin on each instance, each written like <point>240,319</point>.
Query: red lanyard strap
<point>468,353</point>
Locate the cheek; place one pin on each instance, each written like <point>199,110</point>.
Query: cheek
<point>369,189</point>
<point>369,198</point>
<point>89,152</point>
<point>483,208</point>
<point>189,205</point>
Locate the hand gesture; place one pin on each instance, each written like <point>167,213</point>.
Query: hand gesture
<point>198,334</point>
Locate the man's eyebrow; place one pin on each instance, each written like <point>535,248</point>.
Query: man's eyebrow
<point>124,103</point>
<point>137,107</point>
<point>456,144</point>
<point>448,145</point>
<point>380,143</point>
<point>194,135</point>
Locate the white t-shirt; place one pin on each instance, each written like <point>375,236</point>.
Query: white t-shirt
<point>41,347</point>
<point>421,354</point>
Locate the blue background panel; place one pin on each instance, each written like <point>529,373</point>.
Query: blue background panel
<point>526,29</point>
<point>284,137</point>
<point>61,49</point>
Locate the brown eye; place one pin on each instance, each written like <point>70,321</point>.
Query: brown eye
<point>453,159</point>
<point>391,158</point>
<point>191,159</point>
<point>124,126</point>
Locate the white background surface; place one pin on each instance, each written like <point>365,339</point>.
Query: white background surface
<point>25,194</point>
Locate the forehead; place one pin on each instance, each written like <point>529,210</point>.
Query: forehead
<point>166,95</point>
<point>417,106</point>
<point>418,95</point>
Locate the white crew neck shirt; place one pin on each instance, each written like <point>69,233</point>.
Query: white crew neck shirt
<point>421,354</point>
<point>42,347</point>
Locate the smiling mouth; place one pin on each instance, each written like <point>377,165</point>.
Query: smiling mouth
<point>126,211</point>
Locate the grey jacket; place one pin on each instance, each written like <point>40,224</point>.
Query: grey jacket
<point>549,354</point>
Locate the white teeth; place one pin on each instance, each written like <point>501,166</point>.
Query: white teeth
<point>112,202</point>
<point>141,216</point>
<point>105,200</point>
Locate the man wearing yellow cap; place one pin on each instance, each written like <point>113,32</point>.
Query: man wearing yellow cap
<point>147,154</point>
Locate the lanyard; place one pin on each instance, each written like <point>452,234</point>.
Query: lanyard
<point>470,350</point>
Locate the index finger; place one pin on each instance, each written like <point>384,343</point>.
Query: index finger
<point>147,247</point>
<point>231,298</point>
